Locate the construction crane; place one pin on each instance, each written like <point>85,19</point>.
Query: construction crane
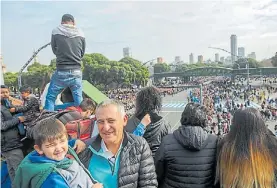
<point>28,62</point>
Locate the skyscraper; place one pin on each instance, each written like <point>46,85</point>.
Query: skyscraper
<point>126,52</point>
<point>191,60</point>
<point>177,59</point>
<point>222,59</point>
<point>216,57</point>
<point>241,52</point>
<point>200,59</point>
<point>252,55</point>
<point>234,48</point>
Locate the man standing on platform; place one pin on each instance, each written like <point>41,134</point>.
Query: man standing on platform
<point>68,44</point>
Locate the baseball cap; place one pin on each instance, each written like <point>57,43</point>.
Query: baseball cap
<point>67,18</point>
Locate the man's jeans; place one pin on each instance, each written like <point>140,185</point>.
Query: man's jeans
<point>61,80</point>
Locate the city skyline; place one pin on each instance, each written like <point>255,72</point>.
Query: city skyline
<point>163,29</point>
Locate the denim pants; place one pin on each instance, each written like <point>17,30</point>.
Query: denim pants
<point>60,80</point>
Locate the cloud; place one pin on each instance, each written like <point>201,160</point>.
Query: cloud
<point>155,28</point>
<point>271,34</point>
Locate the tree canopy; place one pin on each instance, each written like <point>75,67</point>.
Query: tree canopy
<point>241,63</point>
<point>184,67</point>
<point>161,67</point>
<point>274,60</point>
<point>97,69</point>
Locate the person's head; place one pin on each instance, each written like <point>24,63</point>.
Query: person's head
<point>25,91</point>
<point>5,92</point>
<point>68,19</point>
<point>88,107</point>
<point>246,157</point>
<point>148,100</point>
<point>111,119</point>
<point>50,137</point>
<point>194,115</point>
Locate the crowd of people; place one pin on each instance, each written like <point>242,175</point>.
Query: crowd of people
<point>97,145</point>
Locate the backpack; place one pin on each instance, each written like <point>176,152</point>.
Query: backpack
<point>80,129</point>
<point>64,117</point>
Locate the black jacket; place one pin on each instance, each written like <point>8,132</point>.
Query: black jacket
<point>68,44</point>
<point>187,158</point>
<point>154,132</point>
<point>9,132</point>
<point>30,109</point>
<point>136,169</point>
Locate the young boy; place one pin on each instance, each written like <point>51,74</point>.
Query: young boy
<point>50,165</point>
<point>10,140</point>
<point>86,108</point>
<point>30,108</point>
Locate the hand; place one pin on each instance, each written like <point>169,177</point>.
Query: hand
<point>146,120</point>
<point>97,185</point>
<point>79,146</point>
<point>12,109</point>
<point>21,118</point>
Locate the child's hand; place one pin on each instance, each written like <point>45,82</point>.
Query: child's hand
<point>12,109</point>
<point>79,146</point>
<point>146,120</point>
<point>21,118</point>
<point>97,185</point>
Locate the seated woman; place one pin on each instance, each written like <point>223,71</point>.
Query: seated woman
<point>247,156</point>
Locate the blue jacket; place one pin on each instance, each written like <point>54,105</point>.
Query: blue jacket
<point>50,173</point>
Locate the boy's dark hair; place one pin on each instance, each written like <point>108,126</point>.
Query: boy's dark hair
<point>87,104</point>
<point>25,89</point>
<point>67,18</point>
<point>4,87</point>
<point>48,129</point>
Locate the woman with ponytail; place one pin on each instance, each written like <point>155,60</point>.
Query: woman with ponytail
<point>247,156</point>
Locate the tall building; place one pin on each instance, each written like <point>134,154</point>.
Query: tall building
<point>191,60</point>
<point>222,59</point>
<point>2,70</point>
<point>126,52</point>
<point>200,59</point>
<point>241,52</point>
<point>216,57</point>
<point>234,48</point>
<point>228,60</point>
<point>3,66</point>
<point>160,60</point>
<point>177,59</point>
<point>252,55</point>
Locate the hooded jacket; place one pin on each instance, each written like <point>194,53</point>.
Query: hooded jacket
<point>9,132</point>
<point>30,109</point>
<point>39,171</point>
<point>154,132</point>
<point>68,44</point>
<point>187,158</point>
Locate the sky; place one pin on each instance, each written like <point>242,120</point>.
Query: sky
<point>150,28</point>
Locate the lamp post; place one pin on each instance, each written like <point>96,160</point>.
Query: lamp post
<point>247,63</point>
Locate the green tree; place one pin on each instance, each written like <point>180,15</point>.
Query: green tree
<point>274,60</point>
<point>161,67</point>
<point>11,79</point>
<point>241,63</point>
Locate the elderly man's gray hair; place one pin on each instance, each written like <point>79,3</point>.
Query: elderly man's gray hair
<point>118,104</point>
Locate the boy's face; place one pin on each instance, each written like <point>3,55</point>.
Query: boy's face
<point>24,94</point>
<point>55,150</point>
<point>5,93</point>
<point>86,114</point>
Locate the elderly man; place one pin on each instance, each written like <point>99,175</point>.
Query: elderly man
<point>117,158</point>
<point>68,44</point>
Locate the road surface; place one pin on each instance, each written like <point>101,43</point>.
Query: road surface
<point>173,106</point>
